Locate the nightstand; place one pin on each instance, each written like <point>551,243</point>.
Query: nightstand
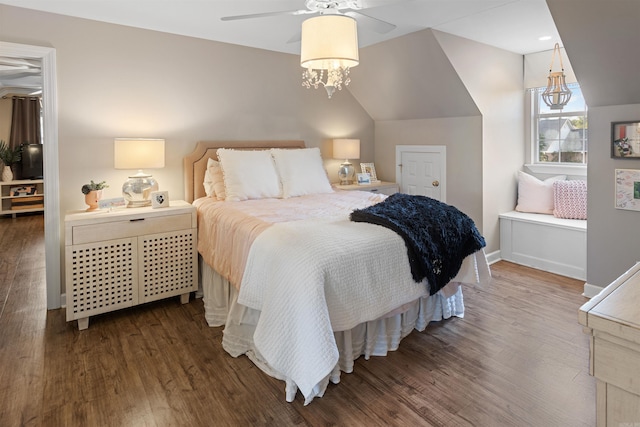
<point>129,256</point>
<point>382,187</point>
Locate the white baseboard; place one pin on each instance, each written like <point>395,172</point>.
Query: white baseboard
<point>591,291</point>
<point>493,257</point>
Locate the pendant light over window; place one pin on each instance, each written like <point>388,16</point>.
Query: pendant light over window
<point>329,48</point>
<point>557,94</point>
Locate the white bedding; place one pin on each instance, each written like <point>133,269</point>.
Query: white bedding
<point>373,338</point>
<point>311,278</point>
<point>292,301</point>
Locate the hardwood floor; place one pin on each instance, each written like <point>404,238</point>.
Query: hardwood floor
<point>518,358</point>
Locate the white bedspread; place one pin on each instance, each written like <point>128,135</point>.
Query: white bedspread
<point>310,278</point>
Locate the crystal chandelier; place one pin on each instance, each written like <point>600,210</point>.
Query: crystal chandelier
<point>329,48</point>
<point>557,94</point>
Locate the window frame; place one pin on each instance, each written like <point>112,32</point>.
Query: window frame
<point>534,164</point>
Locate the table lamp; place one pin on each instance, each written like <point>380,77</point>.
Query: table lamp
<point>346,149</point>
<point>138,153</point>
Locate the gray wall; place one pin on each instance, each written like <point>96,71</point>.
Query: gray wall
<point>463,138</point>
<point>411,89</point>
<point>612,237</point>
<point>494,79</point>
<point>433,88</point>
<point>601,38</point>
<point>410,77</point>
<point>116,81</point>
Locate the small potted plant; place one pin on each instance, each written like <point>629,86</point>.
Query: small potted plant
<point>93,193</point>
<point>9,156</point>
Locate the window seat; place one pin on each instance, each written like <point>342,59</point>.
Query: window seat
<point>545,242</point>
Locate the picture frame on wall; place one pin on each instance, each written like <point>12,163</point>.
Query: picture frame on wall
<point>625,140</point>
<point>628,189</point>
<point>370,169</point>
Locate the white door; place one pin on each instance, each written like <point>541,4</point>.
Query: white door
<point>421,170</point>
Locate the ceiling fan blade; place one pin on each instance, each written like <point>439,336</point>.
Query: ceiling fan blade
<point>371,23</point>
<point>266,14</point>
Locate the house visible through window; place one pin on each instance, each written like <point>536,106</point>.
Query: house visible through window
<point>560,136</point>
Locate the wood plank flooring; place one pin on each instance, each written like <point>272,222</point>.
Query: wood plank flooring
<point>518,358</point>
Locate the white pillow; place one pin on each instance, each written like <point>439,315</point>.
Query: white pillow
<point>248,174</point>
<point>213,181</point>
<point>208,183</point>
<point>208,180</point>
<point>301,171</point>
<point>536,196</point>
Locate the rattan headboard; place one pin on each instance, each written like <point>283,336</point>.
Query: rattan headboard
<point>195,164</point>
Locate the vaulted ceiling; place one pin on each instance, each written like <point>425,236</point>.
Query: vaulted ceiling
<point>513,25</point>
<point>600,36</point>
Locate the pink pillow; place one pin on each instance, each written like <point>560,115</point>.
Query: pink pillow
<point>536,196</point>
<point>570,198</point>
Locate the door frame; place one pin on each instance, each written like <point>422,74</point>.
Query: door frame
<point>439,149</point>
<point>50,159</point>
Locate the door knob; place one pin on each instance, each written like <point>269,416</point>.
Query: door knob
<point>435,183</point>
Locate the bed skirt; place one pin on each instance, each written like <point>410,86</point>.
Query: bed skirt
<point>373,338</point>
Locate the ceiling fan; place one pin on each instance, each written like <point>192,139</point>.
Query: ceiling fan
<point>352,8</point>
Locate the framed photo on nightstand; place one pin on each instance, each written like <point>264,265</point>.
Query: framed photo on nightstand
<point>363,178</point>
<point>159,199</point>
<point>370,169</point>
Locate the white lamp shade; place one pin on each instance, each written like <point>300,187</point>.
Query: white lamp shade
<point>138,153</point>
<point>329,41</point>
<point>346,149</point>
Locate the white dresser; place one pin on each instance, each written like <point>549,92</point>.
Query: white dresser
<point>612,318</point>
<point>129,256</point>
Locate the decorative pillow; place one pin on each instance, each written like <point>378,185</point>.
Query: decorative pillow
<point>301,171</point>
<point>213,181</point>
<point>208,183</point>
<point>248,174</point>
<point>570,198</point>
<point>208,180</point>
<point>536,196</point>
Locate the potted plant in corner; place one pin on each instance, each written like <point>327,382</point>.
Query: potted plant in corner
<point>93,193</point>
<point>9,156</point>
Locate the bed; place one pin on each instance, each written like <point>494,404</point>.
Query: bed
<point>299,288</point>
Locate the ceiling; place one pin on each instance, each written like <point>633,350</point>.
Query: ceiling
<point>513,25</point>
<point>22,77</point>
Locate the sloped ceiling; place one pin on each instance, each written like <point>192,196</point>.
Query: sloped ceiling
<point>408,78</point>
<point>601,39</point>
<point>486,21</point>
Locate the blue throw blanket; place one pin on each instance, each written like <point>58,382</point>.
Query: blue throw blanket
<point>438,236</point>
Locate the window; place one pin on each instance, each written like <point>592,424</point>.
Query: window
<point>560,136</point>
